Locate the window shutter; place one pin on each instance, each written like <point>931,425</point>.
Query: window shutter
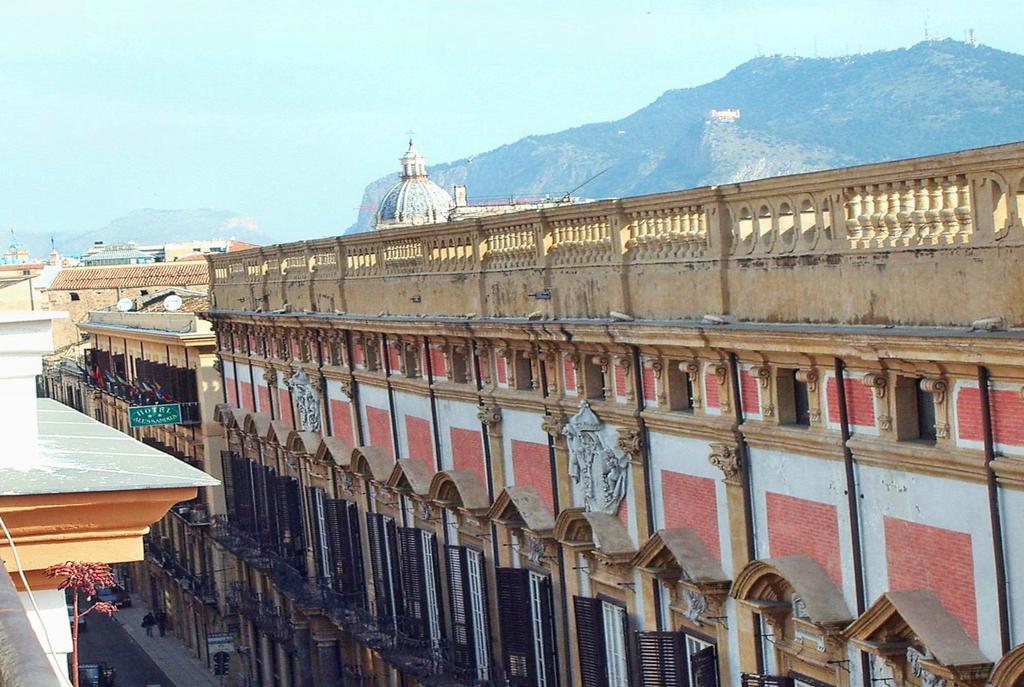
<point>353,578</point>
<point>547,615</point>
<point>335,517</point>
<point>590,641</point>
<point>378,564</point>
<point>395,580</point>
<point>662,658</point>
<point>516,622</point>
<point>461,617</point>
<point>704,665</point>
<point>293,498</point>
<point>318,528</point>
<point>228,479</point>
<point>242,469</point>
<point>410,541</point>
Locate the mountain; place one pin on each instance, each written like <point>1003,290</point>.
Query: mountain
<point>798,114</point>
<point>149,226</point>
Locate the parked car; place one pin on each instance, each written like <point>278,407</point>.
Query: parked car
<point>82,627</point>
<point>115,595</point>
<point>96,675</point>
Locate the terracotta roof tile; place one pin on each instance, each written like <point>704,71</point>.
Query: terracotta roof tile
<point>132,276</point>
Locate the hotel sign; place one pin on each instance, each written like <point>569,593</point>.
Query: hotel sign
<point>149,416</point>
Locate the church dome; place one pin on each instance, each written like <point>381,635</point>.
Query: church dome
<point>415,199</point>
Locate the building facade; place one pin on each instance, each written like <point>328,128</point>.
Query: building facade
<point>80,290</point>
<point>757,434</point>
<point>149,356</point>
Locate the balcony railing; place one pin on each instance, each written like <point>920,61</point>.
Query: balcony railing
<point>199,585</point>
<point>191,412</point>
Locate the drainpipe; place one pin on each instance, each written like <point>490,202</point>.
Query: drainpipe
<point>485,435</point>
<point>641,402</point>
<point>354,385</point>
<point>564,601</point>
<point>743,455</point>
<point>993,509</point>
<point>386,354</point>
<point>852,509</point>
<point>433,405</point>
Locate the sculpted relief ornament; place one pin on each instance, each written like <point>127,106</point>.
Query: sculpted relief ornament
<point>725,459</point>
<point>597,466</point>
<point>307,400</point>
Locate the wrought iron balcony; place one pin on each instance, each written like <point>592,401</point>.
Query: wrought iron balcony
<point>240,542</point>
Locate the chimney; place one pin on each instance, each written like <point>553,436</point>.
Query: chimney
<point>460,195</point>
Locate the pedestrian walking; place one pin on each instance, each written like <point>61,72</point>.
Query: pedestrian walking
<point>148,621</point>
<point>161,622</point>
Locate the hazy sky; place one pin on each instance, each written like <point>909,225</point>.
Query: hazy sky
<point>283,111</point>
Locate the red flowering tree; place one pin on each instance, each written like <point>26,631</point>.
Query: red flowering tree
<point>82,578</point>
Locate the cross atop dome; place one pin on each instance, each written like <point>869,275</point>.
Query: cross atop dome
<point>413,164</point>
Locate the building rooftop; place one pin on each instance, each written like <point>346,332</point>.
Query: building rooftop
<point>80,454</point>
<point>132,276</point>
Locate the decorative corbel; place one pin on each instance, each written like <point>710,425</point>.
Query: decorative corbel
<point>875,381</point>
<point>763,373</point>
<point>270,376</point>
<point>574,360</point>
<point>938,387</point>
<point>631,443</point>
<point>345,384</point>
<point>692,370</point>
<point>721,373</point>
<point>808,377</point>
<point>483,353</point>
<point>726,459</point>
<point>655,365</point>
<point>489,414</point>
<point>604,363</point>
<point>554,423</point>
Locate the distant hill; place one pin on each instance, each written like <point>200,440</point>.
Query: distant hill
<point>798,114</point>
<point>149,226</point>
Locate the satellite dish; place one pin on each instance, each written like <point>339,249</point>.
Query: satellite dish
<point>172,302</point>
<point>125,304</point>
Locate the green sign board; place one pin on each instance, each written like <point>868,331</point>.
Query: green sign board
<point>148,416</point>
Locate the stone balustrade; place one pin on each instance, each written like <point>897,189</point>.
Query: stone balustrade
<point>914,241</point>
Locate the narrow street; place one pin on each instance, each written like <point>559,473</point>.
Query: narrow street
<point>106,641</point>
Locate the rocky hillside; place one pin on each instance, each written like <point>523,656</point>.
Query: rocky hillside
<point>798,114</point>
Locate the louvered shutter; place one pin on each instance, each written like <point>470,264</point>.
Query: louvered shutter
<point>515,618</point>
<point>547,620</point>
<point>754,680</point>
<point>354,580</point>
<point>228,480</point>
<point>318,528</point>
<point>285,524</point>
<point>378,564</point>
<point>335,516</point>
<point>590,641</point>
<point>662,657</point>
<point>394,575</point>
<point>704,666</point>
<point>414,591</point>
<point>244,494</point>
<point>461,616</point>
<point>293,499</point>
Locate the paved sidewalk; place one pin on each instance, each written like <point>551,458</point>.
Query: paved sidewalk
<point>175,659</point>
